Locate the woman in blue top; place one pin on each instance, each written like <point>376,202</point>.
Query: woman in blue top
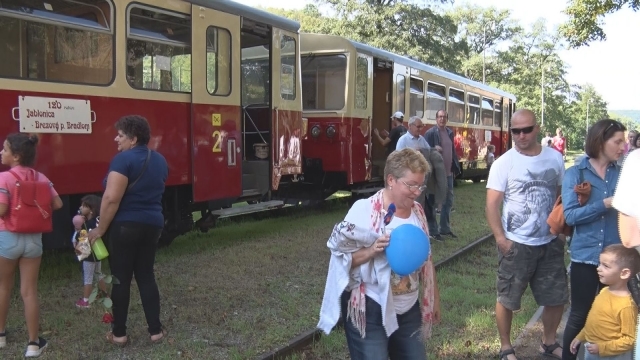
<point>131,217</point>
<point>595,223</point>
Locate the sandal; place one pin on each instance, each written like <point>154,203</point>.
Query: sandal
<point>112,340</point>
<point>549,349</point>
<point>163,333</point>
<point>504,354</point>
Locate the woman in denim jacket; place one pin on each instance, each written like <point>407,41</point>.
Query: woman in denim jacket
<point>595,223</point>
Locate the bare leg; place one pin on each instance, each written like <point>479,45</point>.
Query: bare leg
<point>7,278</point>
<point>503,320</point>
<point>551,317</point>
<point>86,291</point>
<point>29,269</point>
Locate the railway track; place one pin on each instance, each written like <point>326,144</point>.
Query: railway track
<point>307,338</point>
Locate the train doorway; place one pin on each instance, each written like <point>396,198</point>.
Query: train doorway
<point>382,93</point>
<point>256,123</point>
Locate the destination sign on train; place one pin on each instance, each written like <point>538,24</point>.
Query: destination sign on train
<point>54,115</point>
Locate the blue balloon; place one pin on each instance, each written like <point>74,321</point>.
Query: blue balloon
<point>408,249</point>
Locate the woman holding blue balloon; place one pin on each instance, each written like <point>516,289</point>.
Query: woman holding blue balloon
<point>381,279</point>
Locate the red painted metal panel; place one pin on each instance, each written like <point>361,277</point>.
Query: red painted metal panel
<point>213,176</point>
<point>286,157</point>
<point>77,163</point>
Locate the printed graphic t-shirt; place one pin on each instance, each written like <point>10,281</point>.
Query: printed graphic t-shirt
<point>404,288</point>
<point>530,185</point>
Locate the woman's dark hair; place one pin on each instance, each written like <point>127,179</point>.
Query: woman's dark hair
<point>635,140</point>
<point>24,146</point>
<point>135,126</point>
<point>93,203</point>
<point>599,133</point>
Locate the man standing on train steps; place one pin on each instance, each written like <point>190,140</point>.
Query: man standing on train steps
<point>440,137</point>
<point>526,181</point>
<point>397,130</point>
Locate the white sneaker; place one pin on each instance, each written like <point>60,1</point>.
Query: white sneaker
<point>3,340</point>
<point>34,349</point>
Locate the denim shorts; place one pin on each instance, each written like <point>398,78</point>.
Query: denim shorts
<point>14,246</point>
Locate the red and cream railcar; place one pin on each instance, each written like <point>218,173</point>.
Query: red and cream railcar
<point>229,122</point>
<point>349,88</point>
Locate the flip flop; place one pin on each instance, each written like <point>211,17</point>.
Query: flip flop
<point>549,349</point>
<point>111,339</point>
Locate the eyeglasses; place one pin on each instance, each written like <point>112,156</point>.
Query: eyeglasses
<point>442,117</point>
<point>418,126</point>
<point>524,130</point>
<point>420,188</point>
<point>617,124</point>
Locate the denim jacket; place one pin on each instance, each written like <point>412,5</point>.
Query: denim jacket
<point>594,226</point>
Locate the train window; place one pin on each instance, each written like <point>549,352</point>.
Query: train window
<point>57,40</point>
<point>218,61</point>
<point>436,99</point>
<point>400,92</point>
<point>256,74</point>
<point>158,50</point>
<point>505,115</point>
<point>362,82</point>
<point>288,67</point>
<point>416,97</point>
<point>474,109</point>
<point>456,105</point>
<point>487,112</point>
<point>322,78</point>
<point>497,115</point>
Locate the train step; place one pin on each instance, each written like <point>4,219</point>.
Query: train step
<point>241,210</point>
<point>366,190</point>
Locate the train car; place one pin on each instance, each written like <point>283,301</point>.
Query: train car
<point>349,88</point>
<point>219,83</point>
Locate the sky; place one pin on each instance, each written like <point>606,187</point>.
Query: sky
<point>610,66</point>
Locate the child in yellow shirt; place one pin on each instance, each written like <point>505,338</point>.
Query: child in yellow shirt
<point>610,330</point>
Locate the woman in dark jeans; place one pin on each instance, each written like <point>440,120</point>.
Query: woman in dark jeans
<point>595,223</point>
<point>131,220</point>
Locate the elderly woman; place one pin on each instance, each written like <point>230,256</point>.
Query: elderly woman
<point>626,200</point>
<point>595,222</point>
<point>131,217</point>
<point>381,311</point>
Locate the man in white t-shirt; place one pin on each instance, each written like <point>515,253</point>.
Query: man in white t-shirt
<point>526,181</point>
<point>546,139</point>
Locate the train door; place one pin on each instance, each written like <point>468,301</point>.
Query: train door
<point>256,80</point>
<point>286,151</point>
<point>359,124</point>
<point>382,111</point>
<point>506,113</point>
<point>215,105</point>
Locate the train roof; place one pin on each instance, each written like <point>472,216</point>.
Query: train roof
<point>242,10</point>
<point>386,55</point>
<point>383,54</point>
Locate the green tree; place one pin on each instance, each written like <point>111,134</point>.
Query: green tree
<point>586,19</point>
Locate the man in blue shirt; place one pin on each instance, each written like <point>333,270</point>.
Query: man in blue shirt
<point>412,138</point>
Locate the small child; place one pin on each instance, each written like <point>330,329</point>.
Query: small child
<point>490,155</point>
<point>87,219</point>
<point>610,330</point>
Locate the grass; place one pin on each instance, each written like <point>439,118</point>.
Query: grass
<point>233,293</point>
<point>467,330</point>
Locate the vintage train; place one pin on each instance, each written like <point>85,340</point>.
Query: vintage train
<point>243,106</point>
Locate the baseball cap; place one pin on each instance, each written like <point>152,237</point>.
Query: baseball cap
<point>398,115</point>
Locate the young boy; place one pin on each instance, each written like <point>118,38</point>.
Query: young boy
<point>610,330</point>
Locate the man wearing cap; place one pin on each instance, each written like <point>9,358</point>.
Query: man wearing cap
<point>397,130</point>
<point>412,138</point>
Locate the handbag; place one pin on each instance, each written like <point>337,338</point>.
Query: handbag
<point>556,220</point>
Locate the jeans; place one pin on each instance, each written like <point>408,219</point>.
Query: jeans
<point>625,356</point>
<point>132,251</point>
<point>404,344</point>
<point>585,285</point>
<point>445,225</point>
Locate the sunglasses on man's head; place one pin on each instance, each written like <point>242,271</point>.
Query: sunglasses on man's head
<point>524,130</point>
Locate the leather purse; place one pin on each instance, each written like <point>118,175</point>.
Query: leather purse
<point>556,220</point>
